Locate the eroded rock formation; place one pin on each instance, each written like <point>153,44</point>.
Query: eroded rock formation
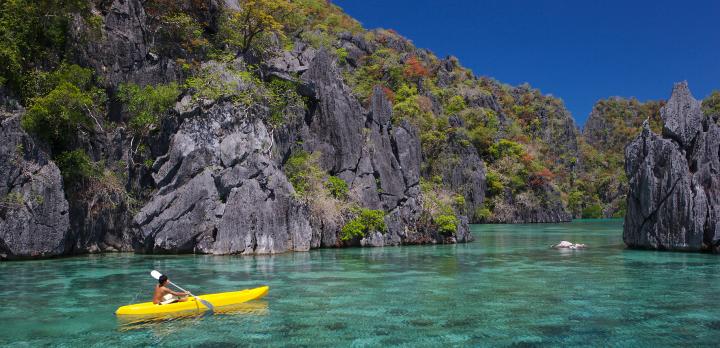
<point>34,219</point>
<point>674,197</point>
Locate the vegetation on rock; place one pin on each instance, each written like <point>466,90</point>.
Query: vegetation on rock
<point>600,184</point>
<point>146,105</point>
<point>67,102</point>
<point>365,220</point>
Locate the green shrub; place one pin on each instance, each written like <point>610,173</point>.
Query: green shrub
<point>366,220</point>
<point>341,54</point>
<point>447,224</point>
<point>283,99</point>
<point>483,213</point>
<point>303,172</point>
<point>455,105</point>
<point>593,211</point>
<point>210,84</point>
<point>505,148</point>
<point>459,201</point>
<point>76,167</point>
<point>576,201</point>
<point>338,187</point>
<point>13,199</point>
<point>406,105</point>
<point>383,68</point>
<point>180,29</point>
<point>33,33</point>
<point>68,101</point>
<point>147,104</point>
<point>320,40</point>
<point>494,184</point>
<point>711,104</point>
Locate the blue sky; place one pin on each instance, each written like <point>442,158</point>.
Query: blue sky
<point>580,51</point>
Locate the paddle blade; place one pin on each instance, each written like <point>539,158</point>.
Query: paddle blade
<point>206,303</point>
<point>155,274</point>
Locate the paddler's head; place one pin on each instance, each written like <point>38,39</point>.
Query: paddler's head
<point>163,280</point>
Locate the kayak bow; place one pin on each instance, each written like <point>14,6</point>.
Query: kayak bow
<point>218,300</point>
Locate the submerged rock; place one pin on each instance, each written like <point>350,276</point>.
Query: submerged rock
<point>568,245</point>
<point>674,201</point>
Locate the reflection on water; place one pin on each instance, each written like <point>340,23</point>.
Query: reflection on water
<point>159,322</point>
<point>507,288</point>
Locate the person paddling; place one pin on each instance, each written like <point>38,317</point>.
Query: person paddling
<point>163,295</point>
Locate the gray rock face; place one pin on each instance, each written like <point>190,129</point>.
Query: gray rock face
<point>123,49</point>
<point>219,191</point>
<point>673,201</point>
<point>544,205</point>
<point>682,116</point>
<point>379,160</point>
<point>463,170</point>
<point>34,219</point>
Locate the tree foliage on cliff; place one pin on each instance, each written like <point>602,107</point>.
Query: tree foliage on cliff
<point>33,35</point>
<point>68,102</point>
<point>600,186</point>
<point>256,21</point>
<point>147,104</point>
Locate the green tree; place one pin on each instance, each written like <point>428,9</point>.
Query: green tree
<point>303,172</point>
<point>283,99</point>
<point>147,104</point>
<point>69,102</point>
<point>183,30</point>
<point>241,28</point>
<point>33,32</point>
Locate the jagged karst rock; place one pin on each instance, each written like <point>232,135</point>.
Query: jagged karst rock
<point>122,50</point>
<point>379,160</point>
<point>673,199</point>
<point>462,170</point>
<point>682,116</point>
<point>543,206</point>
<point>34,219</point>
<point>220,192</point>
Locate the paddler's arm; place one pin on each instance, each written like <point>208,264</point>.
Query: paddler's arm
<point>178,293</point>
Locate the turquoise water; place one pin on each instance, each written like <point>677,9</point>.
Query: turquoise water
<point>507,288</point>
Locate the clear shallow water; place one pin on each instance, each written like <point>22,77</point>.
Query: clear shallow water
<point>507,288</point>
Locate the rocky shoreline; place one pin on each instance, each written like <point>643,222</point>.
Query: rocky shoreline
<point>152,130</point>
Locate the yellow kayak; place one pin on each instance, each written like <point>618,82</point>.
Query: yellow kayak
<point>217,300</point>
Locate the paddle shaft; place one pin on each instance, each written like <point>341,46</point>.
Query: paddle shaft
<point>206,303</point>
<point>155,274</point>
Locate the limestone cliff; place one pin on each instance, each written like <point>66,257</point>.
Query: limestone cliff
<point>673,201</point>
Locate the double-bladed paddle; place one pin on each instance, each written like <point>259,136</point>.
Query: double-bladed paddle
<point>155,274</point>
